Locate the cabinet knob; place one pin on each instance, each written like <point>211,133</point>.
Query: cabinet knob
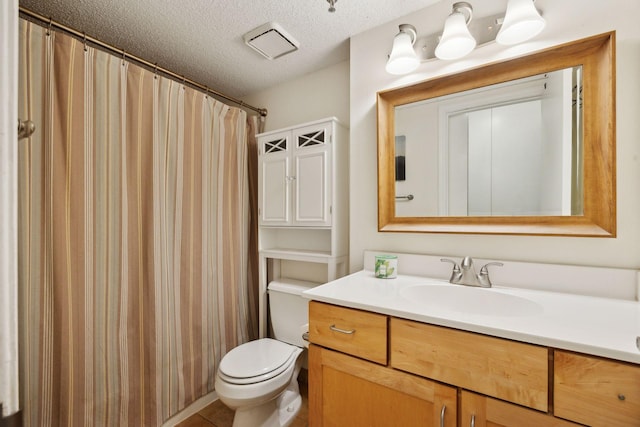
<point>621,397</point>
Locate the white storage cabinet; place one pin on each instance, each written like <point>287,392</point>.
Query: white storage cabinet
<point>302,203</point>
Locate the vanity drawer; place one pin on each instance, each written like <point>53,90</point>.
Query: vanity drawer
<point>355,332</point>
<point>596,392</point>
<point>500,368</point>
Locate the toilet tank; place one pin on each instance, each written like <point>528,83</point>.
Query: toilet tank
<point>288,310</point>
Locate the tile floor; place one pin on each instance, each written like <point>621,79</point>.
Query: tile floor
<point>218,415</point>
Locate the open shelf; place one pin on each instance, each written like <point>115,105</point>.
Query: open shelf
<point>323,257</point>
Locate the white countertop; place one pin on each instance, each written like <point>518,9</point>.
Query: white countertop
<point>593,325</point>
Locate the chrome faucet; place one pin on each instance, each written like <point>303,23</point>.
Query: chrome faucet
<point>465,274</point>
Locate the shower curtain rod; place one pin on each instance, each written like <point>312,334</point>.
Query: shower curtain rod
<point>50,23</point>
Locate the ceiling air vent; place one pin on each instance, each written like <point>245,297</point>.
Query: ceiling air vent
<point>271,41</point>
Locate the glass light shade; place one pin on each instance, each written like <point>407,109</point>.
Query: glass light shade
<point>403,58</point>
<point>456,40</point>
<point>521,23</point>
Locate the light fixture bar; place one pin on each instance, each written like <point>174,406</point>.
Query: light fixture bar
<point>462,34</point>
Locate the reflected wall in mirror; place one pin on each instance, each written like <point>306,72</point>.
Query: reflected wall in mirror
<point>525,146</point>
<point>510,149</point>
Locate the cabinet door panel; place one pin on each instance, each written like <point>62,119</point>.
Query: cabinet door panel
<point>346,391</point>
<point>313,172</point>
<point>596,391</point>
<point>312,192</point>
<point>505,369</point>
<point>367,336</point>
<point>488,412</point>
<point>274,194</point>
<point>274,171</point>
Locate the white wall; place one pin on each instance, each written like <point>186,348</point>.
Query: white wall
<point>566,20</point>
<point>9,203</point>
<point>324,93</point>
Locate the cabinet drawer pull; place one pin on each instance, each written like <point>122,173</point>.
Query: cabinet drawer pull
<point>444,408</point>
<point>621,397</point>
<point>473,421</point>
<point>342,331</point>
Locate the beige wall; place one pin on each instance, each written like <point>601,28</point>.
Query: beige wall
<point>566,20</point>
<point>324,93</point>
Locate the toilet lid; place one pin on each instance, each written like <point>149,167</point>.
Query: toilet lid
<point>256,358</point>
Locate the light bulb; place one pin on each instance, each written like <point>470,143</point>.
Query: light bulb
<point>403,58</point>
<point>456,40</point>
<point>521,23</point>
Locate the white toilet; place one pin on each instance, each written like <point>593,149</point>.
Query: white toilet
<point>259,379</point>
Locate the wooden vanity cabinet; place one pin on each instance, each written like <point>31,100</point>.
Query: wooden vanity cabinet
<point>479,380</point>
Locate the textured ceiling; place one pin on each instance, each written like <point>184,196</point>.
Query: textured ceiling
<point>202,39</point>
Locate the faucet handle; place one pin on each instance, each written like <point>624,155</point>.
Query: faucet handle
<point>455,273</point>
<point>483,276</point>
<point>485,270</point>
<point>456,267</point>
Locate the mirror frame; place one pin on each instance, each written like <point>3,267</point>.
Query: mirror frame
<point>597,56</point>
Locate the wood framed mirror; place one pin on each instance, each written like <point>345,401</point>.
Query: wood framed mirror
<point>588,206</point>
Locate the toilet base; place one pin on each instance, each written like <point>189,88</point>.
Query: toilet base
<point>278,412</point>
<point>289,403</point>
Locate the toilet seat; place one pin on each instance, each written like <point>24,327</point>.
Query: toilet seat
<point>257,361</point>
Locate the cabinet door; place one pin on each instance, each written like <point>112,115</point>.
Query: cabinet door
<point>312,170</point>
<point>477,410</point>
<point>596,391</point>
<point>346,391</point>
<point>275,178</point>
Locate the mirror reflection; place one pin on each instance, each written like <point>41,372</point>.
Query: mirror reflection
<point>510,149</point>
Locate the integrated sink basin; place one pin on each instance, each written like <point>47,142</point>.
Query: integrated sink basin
<point>472,300</point>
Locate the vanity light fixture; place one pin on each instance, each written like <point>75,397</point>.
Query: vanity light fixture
<point>461,36</point>
<point>521,23</point>
<point>403,58</point>
<point>456,40</point>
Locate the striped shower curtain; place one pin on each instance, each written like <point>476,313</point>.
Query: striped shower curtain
<point>134,236</point>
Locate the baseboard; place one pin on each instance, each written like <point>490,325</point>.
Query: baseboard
<point>192,409</point>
